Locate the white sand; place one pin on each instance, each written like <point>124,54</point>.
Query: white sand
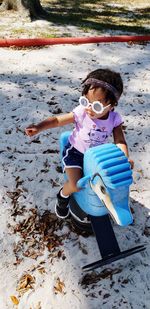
<point>31,80</point>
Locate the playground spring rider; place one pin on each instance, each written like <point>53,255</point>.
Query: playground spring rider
<point>104,191</point>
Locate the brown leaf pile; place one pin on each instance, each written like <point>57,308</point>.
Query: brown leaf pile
<point>37,230</point>
<point>14,196</point>
<point>94,277</point>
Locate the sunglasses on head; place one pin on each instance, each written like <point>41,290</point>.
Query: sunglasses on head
<point>96,106</point>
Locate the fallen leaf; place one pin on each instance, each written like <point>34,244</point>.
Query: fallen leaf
<point>41,270</point>
<point>26,283</point>
<point>58,288</point>
<point>14,300</point>
<point>140,171</point>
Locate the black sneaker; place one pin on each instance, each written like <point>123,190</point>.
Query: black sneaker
<point>62,207</point>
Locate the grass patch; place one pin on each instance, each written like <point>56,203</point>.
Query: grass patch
<point>99,15</point>
<point>31,33</point>
<point>121,17</point>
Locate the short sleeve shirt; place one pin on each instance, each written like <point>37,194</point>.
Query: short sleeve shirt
<point>92,132</point>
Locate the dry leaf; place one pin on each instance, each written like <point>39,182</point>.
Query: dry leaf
<point>59,286</point>
<point>38,306</point>
<point>14,300</point>
<point>140,171</point>
<point>41,270</point>
<point>26,283</point>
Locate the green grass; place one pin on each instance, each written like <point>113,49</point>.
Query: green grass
<point>31,33</point>
<point>99,15</point>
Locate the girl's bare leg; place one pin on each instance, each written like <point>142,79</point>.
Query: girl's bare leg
<point>73,175</point>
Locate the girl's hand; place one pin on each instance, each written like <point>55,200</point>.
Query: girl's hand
<point>131,162</point>
<point>32,130</point>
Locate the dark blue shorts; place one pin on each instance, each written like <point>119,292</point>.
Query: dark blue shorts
<point>71,157</point>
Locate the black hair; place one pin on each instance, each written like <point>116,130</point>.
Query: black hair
<point>111,77</point>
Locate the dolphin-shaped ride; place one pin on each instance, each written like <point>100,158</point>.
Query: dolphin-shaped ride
<point>105,185</point>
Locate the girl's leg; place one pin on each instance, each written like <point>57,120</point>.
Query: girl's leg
<point>61,209</point>
<point>73,175</point>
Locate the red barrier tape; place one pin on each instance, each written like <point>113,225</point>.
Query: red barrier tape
<point>71,40</point>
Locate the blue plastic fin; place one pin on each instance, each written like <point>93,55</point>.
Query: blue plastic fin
<point>82,182</point>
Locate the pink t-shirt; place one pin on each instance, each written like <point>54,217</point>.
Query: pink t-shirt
<point>92,132</point>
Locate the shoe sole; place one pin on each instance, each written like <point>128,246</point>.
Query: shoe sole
<point>86,221</point>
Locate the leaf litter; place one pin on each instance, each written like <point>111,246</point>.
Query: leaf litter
<point>37,232</point>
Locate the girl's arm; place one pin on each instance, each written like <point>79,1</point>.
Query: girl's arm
<point>120,141</point>
<point>51,122</point>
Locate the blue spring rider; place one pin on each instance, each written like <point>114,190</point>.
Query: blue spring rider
<point>104,191</point>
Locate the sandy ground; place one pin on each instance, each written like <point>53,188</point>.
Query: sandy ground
<point>40,256</point>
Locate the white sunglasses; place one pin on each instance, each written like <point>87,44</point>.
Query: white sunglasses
<point>97,106</point>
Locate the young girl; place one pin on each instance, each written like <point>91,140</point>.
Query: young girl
<point>95,120</point>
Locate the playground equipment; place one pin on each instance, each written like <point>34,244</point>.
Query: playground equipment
<point>104,191</point>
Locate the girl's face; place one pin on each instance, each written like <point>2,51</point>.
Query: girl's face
<point>97,94</point>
